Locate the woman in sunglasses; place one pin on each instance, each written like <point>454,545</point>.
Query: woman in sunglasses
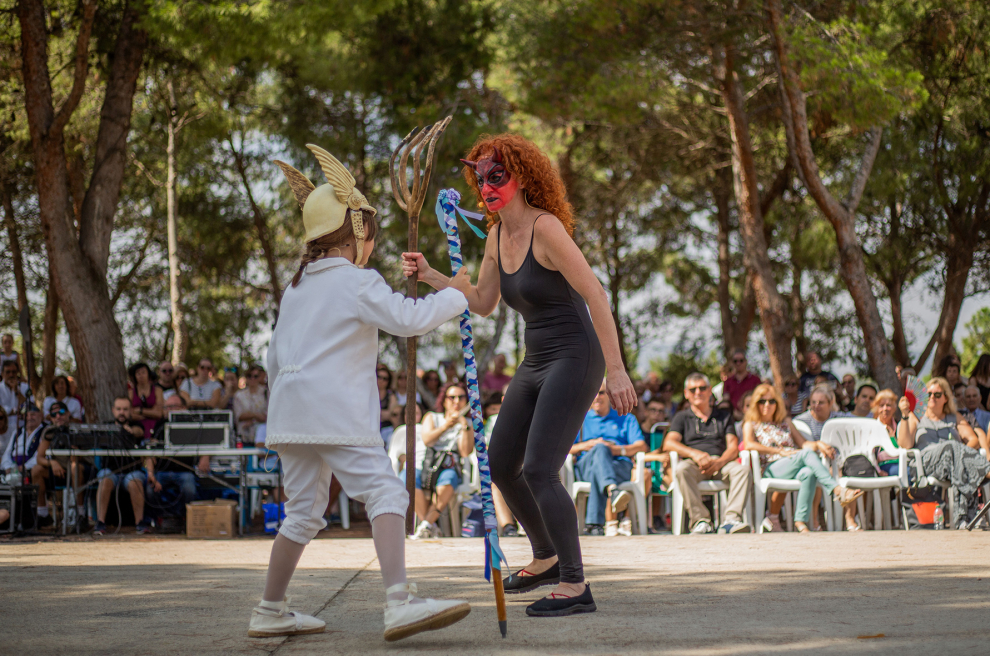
<point>448,433</point>
<point>940,422</point>
<point>784,453</point>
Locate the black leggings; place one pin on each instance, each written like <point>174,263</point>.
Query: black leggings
<point>540,418</point>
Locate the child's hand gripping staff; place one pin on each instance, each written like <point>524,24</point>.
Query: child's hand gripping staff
<point>447,210</point>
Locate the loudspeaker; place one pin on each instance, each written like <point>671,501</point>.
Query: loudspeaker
<point>192,437</point>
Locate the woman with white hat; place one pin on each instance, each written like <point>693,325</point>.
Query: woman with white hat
<point>323,413</point>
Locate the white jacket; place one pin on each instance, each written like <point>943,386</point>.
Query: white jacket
<point>322,356</point>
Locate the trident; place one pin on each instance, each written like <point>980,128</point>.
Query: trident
<point>411,201</point>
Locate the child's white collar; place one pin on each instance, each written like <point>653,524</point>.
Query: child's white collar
<point>327,263</point>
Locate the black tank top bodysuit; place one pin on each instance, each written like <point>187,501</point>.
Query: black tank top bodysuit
<point>544,408</point>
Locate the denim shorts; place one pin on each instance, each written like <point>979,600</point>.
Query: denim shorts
<point>447,477</point>
<point>136,475</point>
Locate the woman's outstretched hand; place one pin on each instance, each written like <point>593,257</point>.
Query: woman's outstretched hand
<point>415,264</point>
<point>621,392</point>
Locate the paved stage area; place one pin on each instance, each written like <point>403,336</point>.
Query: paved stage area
<point>926,592</point>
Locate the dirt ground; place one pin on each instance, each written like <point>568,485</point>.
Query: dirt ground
<point>829,593</point>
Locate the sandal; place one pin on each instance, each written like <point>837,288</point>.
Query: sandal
<point>848,497</point>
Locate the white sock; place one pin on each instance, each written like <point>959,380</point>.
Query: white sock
<point>42,511</point>
<point>389,533</point>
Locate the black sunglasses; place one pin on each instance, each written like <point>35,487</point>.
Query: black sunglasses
<point>60,411</point>
<point>767,402</point>
<point>701,388</point>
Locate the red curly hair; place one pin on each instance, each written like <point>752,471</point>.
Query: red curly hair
<point>531,168</point>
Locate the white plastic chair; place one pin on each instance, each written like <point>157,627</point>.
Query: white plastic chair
<point>764,486</point>
<point>579,491</point>
<point>858,436</point>
<point>802,428</point>
<point>714,488</point>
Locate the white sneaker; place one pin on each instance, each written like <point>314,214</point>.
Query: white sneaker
<point>270,619</point>
<point>625,527</point>
<point>620,499</point>
<point>702,527</point>
<point>611,529</point>
<point>427,530</point>
<point>404,618</point>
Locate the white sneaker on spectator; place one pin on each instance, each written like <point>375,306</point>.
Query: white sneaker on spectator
<point>702,527</point>
<point>736,527</point>
<point>625,527</point>
<point>611,528</point>
<point>412,615</point>
<point>620,498</point>
<point>771,524</point>
<point>270,619</point>
<point>427,530</point>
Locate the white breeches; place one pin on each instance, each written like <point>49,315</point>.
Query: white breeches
<point>364,472</point>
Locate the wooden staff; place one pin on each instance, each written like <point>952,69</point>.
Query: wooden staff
<point>410,199</point>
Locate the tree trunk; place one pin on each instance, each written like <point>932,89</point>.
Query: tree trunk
<point>261,226</point>
<point>958,262</point>
<point>773,308</point>
<point>797,308</point>
<point>79,260</point>
<point>49,338</point>
<point>852,267</point>
<point>735,326</point>
<point>180,332</point>
<point>894,290</point>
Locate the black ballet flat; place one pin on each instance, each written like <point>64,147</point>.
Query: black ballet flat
<point>561,606</point>
<point>517,583</point>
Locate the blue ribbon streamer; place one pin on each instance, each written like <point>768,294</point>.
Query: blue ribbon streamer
<point>447,210</point>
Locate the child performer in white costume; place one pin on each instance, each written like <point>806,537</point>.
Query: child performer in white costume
<point>324,413</point>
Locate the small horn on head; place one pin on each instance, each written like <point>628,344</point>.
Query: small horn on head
<point>496,156</point>
<point>473,165</point>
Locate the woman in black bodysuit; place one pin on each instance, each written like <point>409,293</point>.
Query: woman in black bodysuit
<point>570,342</point>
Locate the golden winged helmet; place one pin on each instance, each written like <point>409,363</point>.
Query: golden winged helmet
<point>325,208</point>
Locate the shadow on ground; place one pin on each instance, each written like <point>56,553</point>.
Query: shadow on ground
<point>186,609</point>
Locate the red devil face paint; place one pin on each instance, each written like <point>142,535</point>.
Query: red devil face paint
<point>497,185</point>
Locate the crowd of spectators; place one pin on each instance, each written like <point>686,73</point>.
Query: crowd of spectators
<point>154,486</point>
<point>704,431</point>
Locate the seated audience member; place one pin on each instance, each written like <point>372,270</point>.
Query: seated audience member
<point>496,379</point>
<point>4,429</point>
<point>971,410</point>
<point>791,399</point>
<point>742,380</point>
<point>666,395</point>
<point>450,374</point>
<point>848,386</point>
<point>122,469</point>
<point>166,379</point>
<point>821,408</point>
<point>448,434</point>
<point>724,374</point>
<point>201,392</point>
<point>601,457</point>
<point>739,410</point>
<point>813,364</point>
<point>863,401</point>
<point>147,398</point>
<point>651,387</point>
<point>14,393</point>
<point>229,388</point>
<point>181,375</point>
<point>7,352</point>
<point>48,473</point>
<point>21,453</point>
<point>658,475</point>
<point>506,520</point>
<point>430,388</point>
<point>884,410</point>
<point>980,376</point>
<point>948,368</point>
<point>251,405</point>
<point>399,387</point>
<point>60,393</point>
<point>947,443</point>
<point>959,394</point>
<point>706,441</point>
<point>168,472</point>
<point>784,453</point>
<point>387,402</point>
